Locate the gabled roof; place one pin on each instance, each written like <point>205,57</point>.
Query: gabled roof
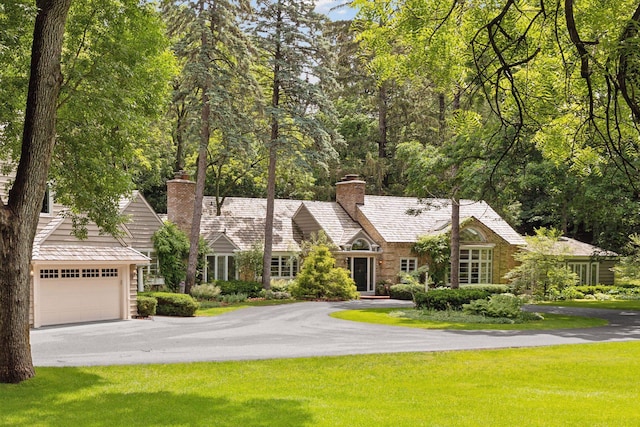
<point>404,219</point>
<point>335,222</point>
<point>242,220</point>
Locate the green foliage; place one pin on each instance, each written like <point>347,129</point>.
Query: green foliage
<point>629,266</point>
<point>232,298</point>
<point>447,299</point>
<point>320,279</point>
<point>205,292</point>
<point>252,289</point>
<point>172,247</point>
<point>500,305</point>
<point>170,304</point>
<point>542,268</point>
<point>493,289</point>
<point>270,294</point>
<point>437,248</point>
<point>146,305</point>
<point>405,291</point>
<point>249,262</point>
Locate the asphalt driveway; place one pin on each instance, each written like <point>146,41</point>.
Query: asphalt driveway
<point>287,331</point>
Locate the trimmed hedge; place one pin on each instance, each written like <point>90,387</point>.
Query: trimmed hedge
<point>146,306</point>
<point>493,289</point>
<point>180,305</point>
<point>405,291</point>
<point>251,289</point>
<point>447,299</point>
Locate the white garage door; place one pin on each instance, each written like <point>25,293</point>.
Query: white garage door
<point>79,295</point>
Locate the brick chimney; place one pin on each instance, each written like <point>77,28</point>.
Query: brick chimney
<point>350,194</point>
<point>181,194</point>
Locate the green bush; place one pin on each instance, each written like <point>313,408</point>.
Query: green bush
<point>232,298</point>
<point>500,305</point>
<point>383,288</point>
<point>320,279</point>
<point>205,292</point>
<point>169,304</point>
<point>493,289</point>
<point>447,299</point>
<point>570,293</point>
<point>271,294</point>
<point>594,289</point>
<point>405,291</point>
<point>146,306</point>
<point>251,289</point>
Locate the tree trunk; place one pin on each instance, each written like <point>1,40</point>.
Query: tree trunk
<point>455,241</point>
<point>205,134</point>
<point>273,157</point>
<point>19,217</point>
<point>383,138</point>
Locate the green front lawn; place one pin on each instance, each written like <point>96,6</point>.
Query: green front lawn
<point>406,317</point>
<point>613,304</point>
<point>573,385</point>
<point>210,309</point>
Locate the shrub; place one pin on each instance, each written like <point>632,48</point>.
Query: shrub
<point>146,306</point>
<point>570,293</point>
<point>270,294</point>
<point>383,288</point>
<point>169,304</point>
<point>500,305</point>
<point>320,279</point>
<point>281,285</point>
<point>232,298</point>
<point>447,299</point>
<point>251,289</point>
<point>205,292</point>
<point>492,289</point>
<point>405,291</point>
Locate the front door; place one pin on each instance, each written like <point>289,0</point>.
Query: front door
<point>360,273</point>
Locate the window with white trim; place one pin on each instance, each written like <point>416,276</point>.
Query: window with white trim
<point>285,266</point>
<point>49,273</point>
<point>407,265</point>
<point>69,273</point>
<point>109,272</point>
<point>587,272</point>
<point>90,272</point>
<point>475,265</point>
<point>221,267</point>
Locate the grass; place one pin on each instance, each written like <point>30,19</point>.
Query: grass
<point>574,385</point>
<point>611,304</point>
<point>209,308</point>
<point>395,317</point>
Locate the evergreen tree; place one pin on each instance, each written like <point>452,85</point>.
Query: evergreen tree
<point>294,70</point>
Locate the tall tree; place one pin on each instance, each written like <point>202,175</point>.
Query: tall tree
<point>115,76</point>
<point>216,55</point>
<point>19,215</point>
<point>301,118</point>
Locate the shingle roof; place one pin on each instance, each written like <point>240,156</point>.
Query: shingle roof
<point>580,249</point>
<point>338,225</point>
<point>243,220</point>
<point>404,219</point>
<point>86,253</point>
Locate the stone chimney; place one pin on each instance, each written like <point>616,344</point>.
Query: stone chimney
<point>350,194</point>
<point>181,194</point>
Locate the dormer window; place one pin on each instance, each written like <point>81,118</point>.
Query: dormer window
<point>360,245</point>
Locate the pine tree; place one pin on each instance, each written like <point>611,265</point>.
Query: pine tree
<point>296,60</point>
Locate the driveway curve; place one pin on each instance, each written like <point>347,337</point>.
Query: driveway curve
<point>288,331</point>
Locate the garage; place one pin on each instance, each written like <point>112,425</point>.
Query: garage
<point>70,295</point>
<point>77,284</point>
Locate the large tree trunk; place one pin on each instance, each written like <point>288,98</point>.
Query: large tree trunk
<point>455,241</point>
<point>205,134</point>
<point>19,217</point>
<point>273,157</point>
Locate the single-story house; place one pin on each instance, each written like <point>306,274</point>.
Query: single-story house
<point>92,279</point>
<point>374,234</point>
<point>593,265</point>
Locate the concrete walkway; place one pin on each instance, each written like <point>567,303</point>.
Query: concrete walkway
<point>287,331</point>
